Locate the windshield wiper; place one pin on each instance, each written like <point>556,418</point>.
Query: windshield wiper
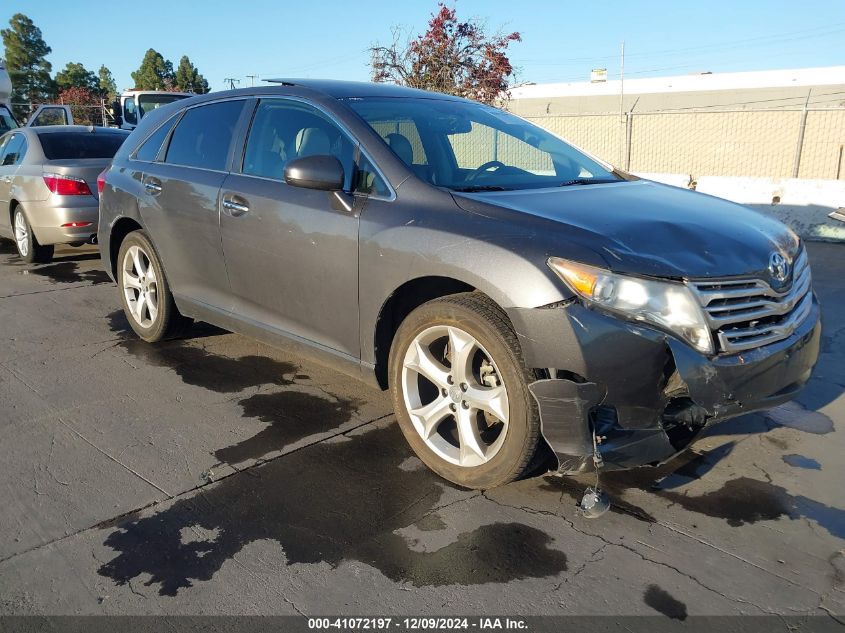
<point>587,181</point>
<point>472,188</point>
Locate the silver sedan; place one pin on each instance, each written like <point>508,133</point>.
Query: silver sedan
<point>48,185</point>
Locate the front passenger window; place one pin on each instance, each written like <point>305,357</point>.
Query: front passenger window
<point>283,129</point>
<point>368,181</point>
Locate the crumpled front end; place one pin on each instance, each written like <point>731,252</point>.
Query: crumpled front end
<point>639,396</point>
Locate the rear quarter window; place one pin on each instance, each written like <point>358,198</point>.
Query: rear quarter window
<point>150,148</point>
<point>70,145</point>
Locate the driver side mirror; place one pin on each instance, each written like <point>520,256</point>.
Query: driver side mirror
<point>321,172</point>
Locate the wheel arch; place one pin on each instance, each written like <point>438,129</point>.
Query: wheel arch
<point>399,304</point>
<point>13,204</point>
<point>123,227</point>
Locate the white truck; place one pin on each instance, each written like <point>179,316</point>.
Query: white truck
<point>127,109</point>
<point>134,104</point>
<point>7,119</point>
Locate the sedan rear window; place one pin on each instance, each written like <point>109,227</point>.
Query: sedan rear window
<point>67,145</point>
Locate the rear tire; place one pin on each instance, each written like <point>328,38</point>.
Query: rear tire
<point>145,293</point>
<point>27,244</point>
<point>460,391</point>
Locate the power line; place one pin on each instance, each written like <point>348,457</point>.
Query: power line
<point>777,39</point>
<point>231,81</point>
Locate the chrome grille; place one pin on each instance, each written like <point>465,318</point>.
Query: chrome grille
<point>748,313</point>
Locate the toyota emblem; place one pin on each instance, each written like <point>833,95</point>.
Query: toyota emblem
<point>778,267</point>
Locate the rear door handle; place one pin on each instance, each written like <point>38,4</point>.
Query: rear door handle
<point>235,206</point>
<point>152,185</point>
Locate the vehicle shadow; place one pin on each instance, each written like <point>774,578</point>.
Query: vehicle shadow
<point>119,324</point>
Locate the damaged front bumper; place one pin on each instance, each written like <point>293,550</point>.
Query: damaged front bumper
<point>644,393</point>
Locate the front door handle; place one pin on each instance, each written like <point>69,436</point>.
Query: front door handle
<point>235,206</point>
<point>152,185</point>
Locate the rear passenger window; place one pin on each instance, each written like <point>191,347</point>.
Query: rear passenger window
<point>203,136</point>
<point>149,150</point>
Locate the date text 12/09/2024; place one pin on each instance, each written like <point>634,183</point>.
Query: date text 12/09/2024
<point>415,623</point>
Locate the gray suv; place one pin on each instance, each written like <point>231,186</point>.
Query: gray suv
<point>515,294</point>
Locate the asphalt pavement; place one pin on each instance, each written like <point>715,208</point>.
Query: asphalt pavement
<point>216,475</point>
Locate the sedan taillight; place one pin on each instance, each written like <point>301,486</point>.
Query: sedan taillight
<point>101,180</point>
<point>63,185</point>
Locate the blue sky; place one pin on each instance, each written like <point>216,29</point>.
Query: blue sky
<point>562,40</point>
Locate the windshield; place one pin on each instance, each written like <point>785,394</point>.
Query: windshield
<point>148,103</point>
<point>467,146</point>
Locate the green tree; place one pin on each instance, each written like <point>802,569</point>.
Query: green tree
<point>26,63</point>
<point>75,75</point>
<point>155,73</point>
<point>188,78</point>
<point>108,88</point>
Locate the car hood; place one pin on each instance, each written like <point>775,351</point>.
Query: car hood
<point>646,228</point>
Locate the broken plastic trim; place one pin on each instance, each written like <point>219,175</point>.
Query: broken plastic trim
<point>565,408</point>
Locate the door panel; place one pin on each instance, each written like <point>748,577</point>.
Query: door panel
<point>292,260</point>
<point>180,201</point>
<point>179,206</point>
<point>10,148</point>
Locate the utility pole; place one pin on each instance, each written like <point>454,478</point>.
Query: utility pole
<point>232,81</point>
<point>622,102</point>
<point>252,79</point>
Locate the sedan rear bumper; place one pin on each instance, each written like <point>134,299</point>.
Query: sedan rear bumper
<point>646,394</point>
<point>50,219</point>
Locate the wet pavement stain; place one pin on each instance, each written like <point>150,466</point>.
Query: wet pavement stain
<point>795,416</point>
<point>799,461</point>
<point>744,500</point>
<point>738,501</point>
<point>292,415</point>
<point>69,273</point>
<point>663,602</point>
<point>336,501</point>
<point>201,368</point>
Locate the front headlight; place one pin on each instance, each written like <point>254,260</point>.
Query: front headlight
<point>669,305</point>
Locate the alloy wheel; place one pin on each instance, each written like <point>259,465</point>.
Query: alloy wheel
<point>455,396</point>
<point>140,286</point>
<point>21,233</point>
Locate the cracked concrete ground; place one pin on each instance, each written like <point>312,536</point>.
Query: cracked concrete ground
<point>217,475</point>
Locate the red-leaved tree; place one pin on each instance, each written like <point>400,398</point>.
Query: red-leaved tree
<point>84,105</point>
<point>454,57</point>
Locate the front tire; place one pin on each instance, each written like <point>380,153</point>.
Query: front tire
<point>460,391</point>
<point>27,244</point>
<point>147,300</point>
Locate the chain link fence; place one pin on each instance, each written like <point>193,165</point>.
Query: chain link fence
<point>772,143</point>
